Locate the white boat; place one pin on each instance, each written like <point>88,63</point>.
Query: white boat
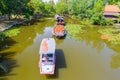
<point>47,56</point>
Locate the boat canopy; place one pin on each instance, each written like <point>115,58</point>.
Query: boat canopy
<point>47,46</point>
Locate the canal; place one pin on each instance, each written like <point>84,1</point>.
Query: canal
<point>83,56</point>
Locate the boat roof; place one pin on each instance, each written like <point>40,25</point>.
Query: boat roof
<point>59,28</point>
<point>47,46</point>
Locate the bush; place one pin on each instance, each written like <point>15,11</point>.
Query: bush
<point>98,19</point>
<point>2,36</point>
<point>109,22</point>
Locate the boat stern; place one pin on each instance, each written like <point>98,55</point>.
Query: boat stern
<point>47,69</point>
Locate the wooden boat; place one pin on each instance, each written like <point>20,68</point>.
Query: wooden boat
<point>57,16</point>
<point>60,21</point>
<point>47,56</point>
<point>59,31</point>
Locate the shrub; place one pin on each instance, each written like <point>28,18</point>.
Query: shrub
<point>2,36</point>
<point>98,19</point>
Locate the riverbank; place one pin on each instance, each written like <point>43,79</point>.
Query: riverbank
<point>4,25</point>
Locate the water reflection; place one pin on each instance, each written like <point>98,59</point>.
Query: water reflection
<point>115,48</point>
<point>90,36</point>
<point>115,63</point>
<point>6,61</point>
<point>59,41</point>
<point>8,64</point>
<point>7,43</point>
<point>82,50</point>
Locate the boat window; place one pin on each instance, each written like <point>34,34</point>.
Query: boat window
<point>47,55</point>
<point>47,58</point>
<point>50,55</point>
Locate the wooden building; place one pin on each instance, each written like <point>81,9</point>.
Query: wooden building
<point>111,12</point>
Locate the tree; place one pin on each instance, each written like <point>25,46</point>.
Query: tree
<point>61,8</point>
<point>37,5</point>
<point>15,7</point>
<point>98,6</point>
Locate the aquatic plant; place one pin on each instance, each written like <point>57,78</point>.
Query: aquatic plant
<point>73,30</point>
<point>111,35</point>
<point>105,31</point>
<point>115,39</point>
<point>13,32</point>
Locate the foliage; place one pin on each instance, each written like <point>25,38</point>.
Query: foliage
<point>114,35</point>
<point>98,19</point>
<point>2,36</point>
<point>98,6</point>
<point>81,9</point>
<point>109,22</point>
<point>105,31</point>
<point>49,8</point>
<point>41,7</point>
<point>37,5</point>
<point>13,32</point>
<point>18,7</point>
<point>73,29</point>
<point>61,8</point>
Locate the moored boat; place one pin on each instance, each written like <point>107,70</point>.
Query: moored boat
<point>47,56</point>
<point>60,23</point>
<point>59,31</point>
<point>59,20</point>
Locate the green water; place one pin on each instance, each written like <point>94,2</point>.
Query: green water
<point>83,56</point>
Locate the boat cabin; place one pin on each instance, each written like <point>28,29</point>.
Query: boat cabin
<point>48,58</point>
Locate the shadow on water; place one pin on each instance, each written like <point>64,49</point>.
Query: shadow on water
<point>7,63</point>
<point>6,44</point>
<point>6,59</point>
<point>60,63</point>
<point>60,38</point>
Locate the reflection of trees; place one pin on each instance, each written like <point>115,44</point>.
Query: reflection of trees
<point>39,27</point>
<point>91,37</point>
<point>88,34</point>
<point>11,46</point>
<point>59,41</point>
<point>115,48</point>
<point>115,63</point>
<point>24,39</point>
<point>28,33</point>
<point>6,61</point>
<point>72,21</point>
<point>7,43</point>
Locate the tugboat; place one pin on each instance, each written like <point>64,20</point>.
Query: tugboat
<point>47,56</point>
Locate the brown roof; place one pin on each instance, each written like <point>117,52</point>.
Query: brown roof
<point>111,8</point>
